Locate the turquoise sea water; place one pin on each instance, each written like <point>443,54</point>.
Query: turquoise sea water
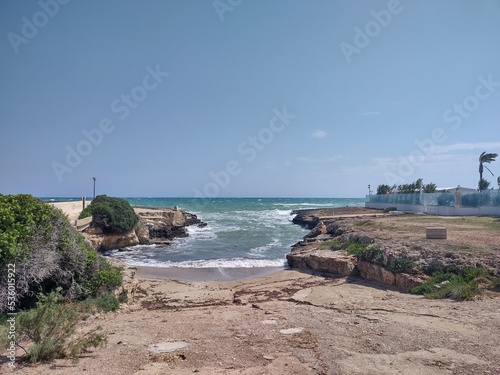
<point>241,232</point>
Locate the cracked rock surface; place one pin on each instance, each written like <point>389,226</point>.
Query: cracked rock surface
<point>289,322</point>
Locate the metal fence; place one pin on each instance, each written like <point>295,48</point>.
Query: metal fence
<point>487,198</point>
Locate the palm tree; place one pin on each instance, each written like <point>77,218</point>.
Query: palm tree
<point>483,159</point>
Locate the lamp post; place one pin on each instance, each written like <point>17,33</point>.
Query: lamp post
<point>369,190</point>
<point>93,178</point>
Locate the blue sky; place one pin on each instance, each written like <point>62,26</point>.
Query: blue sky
<point>246,98</point>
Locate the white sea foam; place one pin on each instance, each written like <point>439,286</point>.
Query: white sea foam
<point>261,250</point>
<point>211,263</point>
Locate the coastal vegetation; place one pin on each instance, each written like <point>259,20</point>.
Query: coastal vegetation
<point>111,214</point>
<point>460,268</point>
<point>457,284</point>
<point>59,278</point>
<point>355,246</point>
<point>485,158</point>
<point>411,188</point>
<point>51,328</point>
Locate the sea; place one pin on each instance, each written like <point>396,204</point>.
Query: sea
<point>240,232</point>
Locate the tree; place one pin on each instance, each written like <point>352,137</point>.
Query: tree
<point>485,158</point>
<point>483,184</point>
<point>384,189</point>
<point>430,188</point>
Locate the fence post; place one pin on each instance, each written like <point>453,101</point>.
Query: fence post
<point>458,200</point>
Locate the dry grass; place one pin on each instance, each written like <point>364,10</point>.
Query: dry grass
<point>472,233</point>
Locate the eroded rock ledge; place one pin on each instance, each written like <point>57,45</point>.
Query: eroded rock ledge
<point>403,258</point>
<point>155,226</point>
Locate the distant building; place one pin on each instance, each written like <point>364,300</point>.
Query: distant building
<point>454,189</point>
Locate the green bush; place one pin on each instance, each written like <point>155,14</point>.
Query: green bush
<point>51,328</point>
<point>112,215</point>
<point>456,284</point>
<point>401,265</point>
<point>47,253</point>
<point>389,209</point>
<point>85,213</point>
<point>372,253</point>
<point>105,279</point>
<point>20,216</point>
<point>106,303</point>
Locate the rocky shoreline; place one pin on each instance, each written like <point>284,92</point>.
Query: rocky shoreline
<point>297,321</point>
<point>403,258</point>
<point>155,226</point>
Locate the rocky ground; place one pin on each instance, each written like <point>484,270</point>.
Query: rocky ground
<point>471,241</point>
<point>290,322</point>
<point>296,322</point>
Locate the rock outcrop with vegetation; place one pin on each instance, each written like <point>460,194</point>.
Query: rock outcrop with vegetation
<point>145,226</point>
<point>394,250</point>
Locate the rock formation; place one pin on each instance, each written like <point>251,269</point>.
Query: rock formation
<point>307,253</point>
<point>155,226</point>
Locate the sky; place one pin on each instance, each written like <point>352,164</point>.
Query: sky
<point>246,98</point>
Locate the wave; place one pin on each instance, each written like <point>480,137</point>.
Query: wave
<point>260,250</point>
<point>210,263</point>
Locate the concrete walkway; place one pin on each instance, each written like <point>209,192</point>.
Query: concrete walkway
<point>72,210</point>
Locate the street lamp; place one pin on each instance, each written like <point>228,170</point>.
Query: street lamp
<point>369,190</point>
<point>93,178</point>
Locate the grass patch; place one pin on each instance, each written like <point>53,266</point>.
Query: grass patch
<point>458,285</point>
<point>361,250</point>
<point>365,223</point>
<point>104,303</point>
<point>401,265</point>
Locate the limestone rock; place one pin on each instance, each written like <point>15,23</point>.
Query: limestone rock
<point>305,220</point>
<point>335,262</point>
<point>319,229</point>
<point>155,226</point>
<point>101,241</point>
<point>407,282</point>
<point>142,233</point>
<point>374,272</point>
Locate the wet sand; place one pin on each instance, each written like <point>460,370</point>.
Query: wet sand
<point>204,274</point>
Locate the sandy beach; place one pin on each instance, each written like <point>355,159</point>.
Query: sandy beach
<point>205,274</point>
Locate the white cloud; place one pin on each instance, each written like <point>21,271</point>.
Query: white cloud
<point>305,159</point>
<point>483,146</point>
<point>371,113</point>
<point>319,134</point>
